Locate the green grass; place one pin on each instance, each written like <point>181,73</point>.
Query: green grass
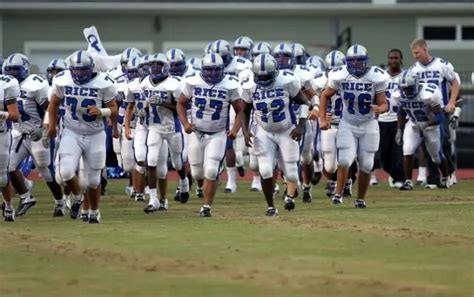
<point>418,243</point>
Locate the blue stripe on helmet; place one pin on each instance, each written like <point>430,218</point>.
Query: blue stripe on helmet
<point>218,45</point>
<point>355,49</point>
<point>55,61</point>
<point>11,58</point>
<point>333,59</point>
<point>259,47</point>
<point>239,41</point>
<point>213,58</point>
<point>129,50</point>
<point>79,57</point>
<point>173,53</point>
<point>262,64</point>
<point>282,46</point>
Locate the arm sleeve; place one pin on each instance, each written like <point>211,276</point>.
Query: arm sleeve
<point>12,92</point>
<point>109,93</point>
<point>187,89</point>
<point>294,87</point>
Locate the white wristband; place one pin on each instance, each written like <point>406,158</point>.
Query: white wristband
<point>4,115</point>
<point>46,118</point>
<point>304,111</point>
<point>105,112</point>
<point>315,101</point>
<point>457,112</point>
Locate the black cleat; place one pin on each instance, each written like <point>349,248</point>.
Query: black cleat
<point>163,205</point>
<point>140,198</point>
<point>360,203</point>
<point>199,193</point>
<point>177,195</point>
<point>24,206</point>
<point>289,203</point>
<point>316,178</point>
<point>205,212</point>
<point>183,197</point>
<point>9,215</point>
<point>241,171</point>
<point>331,187</point>
<point>59,210</point>
<point>407,186</point>
<point>84,217</point>
<point>347,192</point>
<point>336,199</point>
<point>75,207</point>
<point>307,195</point>
<point>94,218</point>
<point>271,212</point>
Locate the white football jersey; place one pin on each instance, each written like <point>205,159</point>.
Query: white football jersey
<point>334,106</point>
<point>358,93</point>
<point>135,94</point>
<point>210,104</point>
<point>392,114</point>
<point>161,118</point>
<point>305,76</point>
<point>418,109</point>
<point>97,92</point>
<point>237,65</point>
<point>116,73</point>
<point>272,105</point>
<point>9,94</point>
<point>438,72</point>
<point>34,93</point>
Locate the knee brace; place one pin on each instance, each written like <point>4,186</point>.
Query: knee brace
<point>162,169</point>
<point>212,169</point>
<point>197,172</point>
<point>306,157</point>
<point>330,164</point>
<point>66,171</point>
<point>93,179</point>
<point>291,172</point>
<point>140,169</point>
<point>345,157</point>
<point>266,169</point>
<point>253,163</point>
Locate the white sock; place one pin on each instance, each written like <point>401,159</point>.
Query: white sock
<point>421,172</point>
<point>26,196</point>
<point>231,173</point>
<point>184,185</point>
<point>239,159</point>
<point>153,194</point>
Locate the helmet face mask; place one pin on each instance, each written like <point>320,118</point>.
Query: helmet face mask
<point>54,67</point>
<point>212,74</point>
<point>159,70</point>
<point>178,68</point>
<point>18,66</point>
<point>82,74</point>
<point>284,61</point>
<point>18,72</point>
<point>265,70</point>
<point>243,47</point>
<point>357,66</point>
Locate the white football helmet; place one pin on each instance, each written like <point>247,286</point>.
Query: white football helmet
<point>316,61</point>
<point>212,69</point>
<point>159,67</point>
<point>300,53</point>
<point>222,48</point>
<point>265,70</point>
<point>81,66</point>
<point>207,49</point>
<point>283,54</point>
<point>261,48</point>
<point>129,53</point>
<point>132,69</point>
<point>54,67</point>
<point>195,63</point>
<point>17,65</point>
<point>357,60</point>
<point>334,59</point>
<point>243,47</point>
<point>177,61</point>
<point>409,84</point>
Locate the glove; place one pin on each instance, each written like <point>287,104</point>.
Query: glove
<point>3,115</point>
<point>454,120</point>
<point>399,136</point>
<point>141,113</point>
<point>155,99</point>
<point>36,134</point>
<point>420,126</point>
<point>45,139</point>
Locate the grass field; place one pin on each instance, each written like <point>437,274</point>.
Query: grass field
<point>418,243</point>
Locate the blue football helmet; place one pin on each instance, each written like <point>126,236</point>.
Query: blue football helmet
<point>335,59</point>
<point>409,84</point>
<point>265,70</point>
<point>54,67</point>
<point>283,54</point>
<point>81,66</point>
<point>159,67</point>
<point>357,60</point>
<point>177,61</point>
<point>212,69</point>
<point>243,47</point>
<point>222,48</point>
<point>18,66</point>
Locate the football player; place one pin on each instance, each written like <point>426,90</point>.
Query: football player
<point>362,89</point>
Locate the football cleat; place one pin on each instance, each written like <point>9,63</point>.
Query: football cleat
<point>94,218</point>
<point>347,192</point>
<point>307,198</point>
<point>360,203</point>
<point>331,187</point>
<point>163,205</point>
<point>407,186</point>
<point>176,195</point>
<point>59,210</point>
<point>443,183</point>
<point>25,204</point>
<point>271,212</point>
<point>316,178</point>
<point>150,208</point>
<point>230,189</point>
<point>205,212</point>
<point>140,197</point>
<point>183,197</point>
<point>337,199</point>
<point>84,217</point>
<point>75,207</point>
<point>289,203</point>
<point>9,215</point>
<point>199,193</point>
<point>241,171</point>
<point>373,180</point>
